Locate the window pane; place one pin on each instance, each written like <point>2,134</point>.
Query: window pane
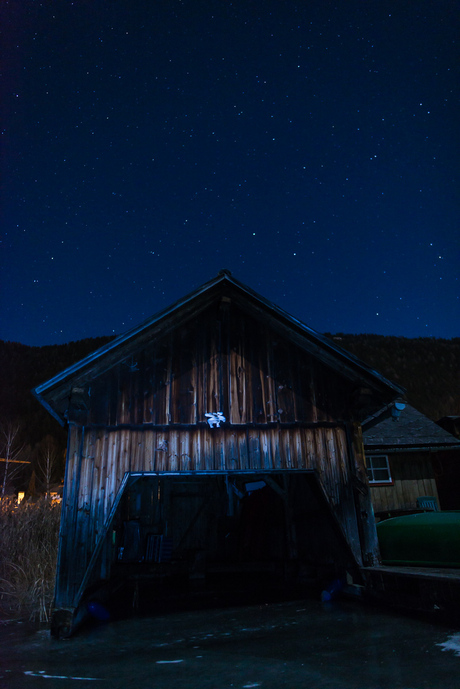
<point>379,462</point>
<point>378,469</point>
<point>381,475</point>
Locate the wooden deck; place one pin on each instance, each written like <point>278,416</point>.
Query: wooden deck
<point>427,589</point>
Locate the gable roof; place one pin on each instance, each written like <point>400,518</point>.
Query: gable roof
<point>411,431</point>
<point>224,285</point>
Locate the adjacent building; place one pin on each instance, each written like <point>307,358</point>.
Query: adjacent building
<point>412,464</point>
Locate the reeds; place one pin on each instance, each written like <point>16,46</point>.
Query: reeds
<point>29,534</point>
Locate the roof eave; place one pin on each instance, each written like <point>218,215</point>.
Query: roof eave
<point>119,340</point>
<point>48,407</point>
<point>316,338</point>
<point>425,447</point>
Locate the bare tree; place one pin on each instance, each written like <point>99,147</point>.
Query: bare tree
<point>47,462</point>
<point>12,453</point>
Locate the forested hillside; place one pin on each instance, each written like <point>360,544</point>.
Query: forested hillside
<point>428,368</point>
<point>23,368</point>
<point>37,436</point>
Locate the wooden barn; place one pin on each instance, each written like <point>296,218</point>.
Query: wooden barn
<point>220,436</point>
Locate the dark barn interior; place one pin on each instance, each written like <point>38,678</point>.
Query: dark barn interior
<point>226,532</point>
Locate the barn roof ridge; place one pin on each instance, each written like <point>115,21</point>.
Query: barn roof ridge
<point>223,277</point>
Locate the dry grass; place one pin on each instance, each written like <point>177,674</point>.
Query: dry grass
<point>29,535</point>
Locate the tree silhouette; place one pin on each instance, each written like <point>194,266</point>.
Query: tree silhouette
<point>47,462</point>
<point>12,453</point>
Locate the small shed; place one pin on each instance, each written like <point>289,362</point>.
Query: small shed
<point>221,435</point>
<point>409,458</point>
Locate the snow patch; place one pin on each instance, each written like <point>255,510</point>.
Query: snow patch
<point>42,673</point>
<point>452,644</point>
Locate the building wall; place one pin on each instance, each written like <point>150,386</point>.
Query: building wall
<point>99,458</point>
<point>413,477</point>
<point>284,410</point>
<point>446,466</point>
<point>222,360</point>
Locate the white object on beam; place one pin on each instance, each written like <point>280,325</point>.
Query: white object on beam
<point>215,419</point>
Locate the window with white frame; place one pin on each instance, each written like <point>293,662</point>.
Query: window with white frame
<point>378,469</point>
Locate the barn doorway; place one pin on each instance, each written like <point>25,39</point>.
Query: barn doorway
<point>178,537</point>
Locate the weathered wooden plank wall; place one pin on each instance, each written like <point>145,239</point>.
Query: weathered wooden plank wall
<point>228,364</point>
<point>214,449</point>
<point>413,477</point>
<point>100,458</point>
<point>284,410</point>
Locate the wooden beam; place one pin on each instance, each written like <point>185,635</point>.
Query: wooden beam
<point>101,539</point>
<point>275,486</point>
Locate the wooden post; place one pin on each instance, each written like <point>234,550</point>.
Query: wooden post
<point>368,531</point>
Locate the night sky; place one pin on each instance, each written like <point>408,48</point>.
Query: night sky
<point>309,147</point>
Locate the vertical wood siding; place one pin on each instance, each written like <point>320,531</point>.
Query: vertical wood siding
<point>413,477</point>
<point>222,361</point>
<point>147,414</point>
<point>100,458</point>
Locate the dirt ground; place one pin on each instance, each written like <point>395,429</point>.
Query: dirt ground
<point>295,644</point>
